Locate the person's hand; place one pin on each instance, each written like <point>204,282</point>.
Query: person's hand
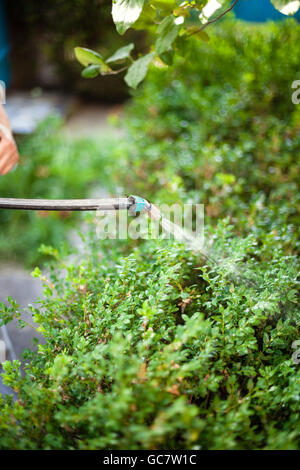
<point>8,152</point>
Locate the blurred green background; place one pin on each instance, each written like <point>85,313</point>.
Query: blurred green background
<point>42,40</point>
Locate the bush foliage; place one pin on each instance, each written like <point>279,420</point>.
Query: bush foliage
<point>146,345</point>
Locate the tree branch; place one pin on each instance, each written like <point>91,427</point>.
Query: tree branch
<point>214,20</point>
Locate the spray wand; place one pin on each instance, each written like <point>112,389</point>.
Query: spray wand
<point>133,204</point>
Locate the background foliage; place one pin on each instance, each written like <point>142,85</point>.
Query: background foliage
<point>42,42</point>
<point>171,24</point>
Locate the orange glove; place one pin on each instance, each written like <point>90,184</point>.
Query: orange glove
<point>8,149</point>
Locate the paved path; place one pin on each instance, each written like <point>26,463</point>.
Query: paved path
<point>93,120</point>
<point>17,283</point>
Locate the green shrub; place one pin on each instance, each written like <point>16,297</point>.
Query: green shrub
<point>229,112</point>
<point>155,350</point>
<point>222,130</point>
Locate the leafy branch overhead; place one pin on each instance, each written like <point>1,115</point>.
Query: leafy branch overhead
<point>170,23</point>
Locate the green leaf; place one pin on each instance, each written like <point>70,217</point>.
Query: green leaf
<point>210,8</point>
<point>137,71</point>
<point>91,71</point>
<point>225,178</point>
<point>121,54</point>
<point>36,272</point>
<point>87,56</point>
<point>59,369</point>
<point>286,7</point>
<point>125,13</point>
<point>167,33</point>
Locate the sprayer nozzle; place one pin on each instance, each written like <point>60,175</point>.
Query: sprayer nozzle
<point>139,204</point>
